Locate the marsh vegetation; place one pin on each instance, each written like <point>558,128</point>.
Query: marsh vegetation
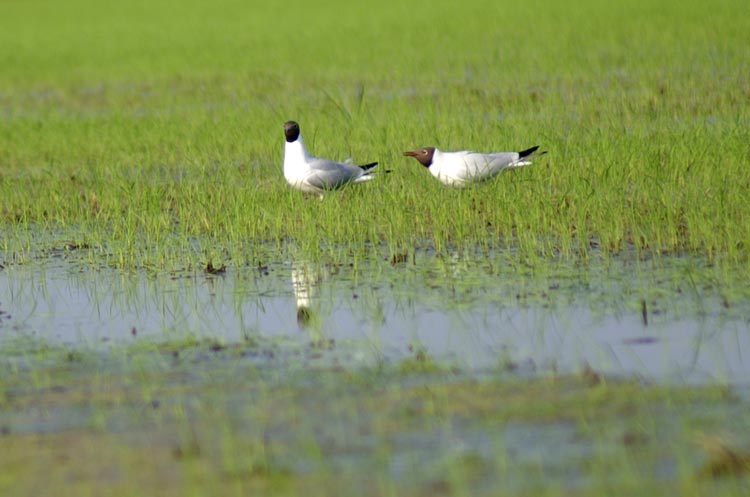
<point>141,191</point>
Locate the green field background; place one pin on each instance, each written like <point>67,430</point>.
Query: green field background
<point>125,126</point>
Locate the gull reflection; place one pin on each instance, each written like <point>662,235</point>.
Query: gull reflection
<point>305,283</point>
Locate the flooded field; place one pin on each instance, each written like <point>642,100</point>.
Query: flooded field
<point>287,375</point>
<point>177,320</point>
<point>657,320</point>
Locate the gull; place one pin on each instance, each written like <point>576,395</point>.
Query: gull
<point>464,167</point>
<point>313,175</point>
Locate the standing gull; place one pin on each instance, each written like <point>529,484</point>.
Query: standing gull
<point>313,175</point>
<point>464,167</point>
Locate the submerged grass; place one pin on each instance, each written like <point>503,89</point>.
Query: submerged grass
<point>194,418</point>
<point>154,136</point>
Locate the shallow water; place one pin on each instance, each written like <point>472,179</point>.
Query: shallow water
<point>645,320</point>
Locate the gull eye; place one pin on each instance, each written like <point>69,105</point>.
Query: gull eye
<point>424,151</point>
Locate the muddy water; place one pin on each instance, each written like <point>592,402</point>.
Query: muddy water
<point>646,321</point>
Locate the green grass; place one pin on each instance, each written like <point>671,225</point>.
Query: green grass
<point>153,134</point>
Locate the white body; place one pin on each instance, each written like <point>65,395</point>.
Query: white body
<point>313,175</point>
<point>464,167</point>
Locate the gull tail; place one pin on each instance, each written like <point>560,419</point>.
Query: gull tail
<point>527,154</point>
<point>369,173</point>
<point>367,167</point>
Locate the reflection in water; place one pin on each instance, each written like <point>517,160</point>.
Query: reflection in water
<point>304,316</point>
<point>455,310</point>
<point>304,283</point>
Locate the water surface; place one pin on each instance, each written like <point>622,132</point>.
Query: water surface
<point>664,320</point>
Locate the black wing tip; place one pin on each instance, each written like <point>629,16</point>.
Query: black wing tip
<point>529,151</point>
<point>366,167</point>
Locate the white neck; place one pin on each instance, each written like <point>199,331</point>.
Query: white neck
<point>295,156</point>
<point>437,163</point>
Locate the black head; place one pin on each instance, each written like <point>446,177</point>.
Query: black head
<point>291,131</point>
<point>423,155</point>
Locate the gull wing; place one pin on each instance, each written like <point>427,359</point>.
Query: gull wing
<point>478,166</point>
<point>328,175</point>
